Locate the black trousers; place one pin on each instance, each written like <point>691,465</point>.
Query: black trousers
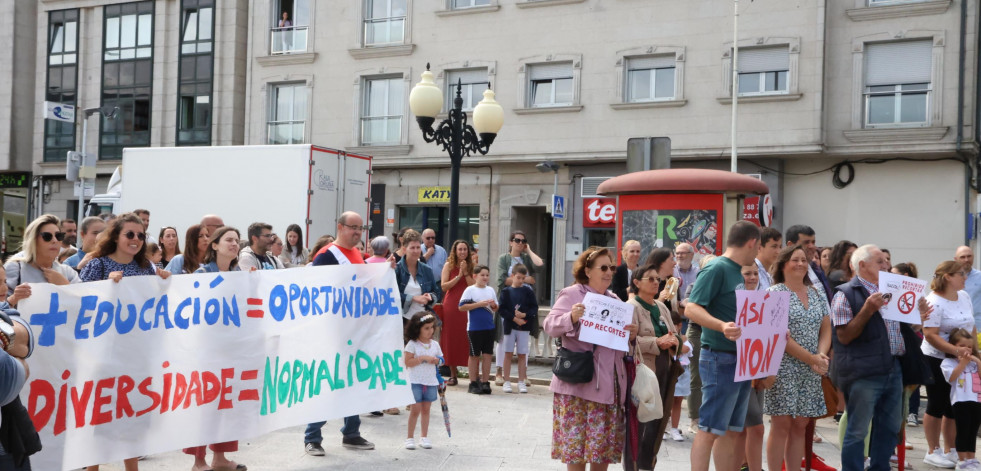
<point>967,419</point>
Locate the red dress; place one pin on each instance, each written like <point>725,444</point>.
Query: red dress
<point>453,340</point>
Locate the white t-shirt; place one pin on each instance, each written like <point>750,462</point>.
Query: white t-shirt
<point>481,318</point>
<point>685,358</point>
<point>967,386</point>
<point>948,315</point>
<point>412,288</point>
<point>424,373</point>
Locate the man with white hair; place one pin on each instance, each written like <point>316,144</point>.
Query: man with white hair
<point>972,285</point>
<point>866,365</point>
<point>685,271</point>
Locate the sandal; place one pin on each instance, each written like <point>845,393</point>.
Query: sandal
<point>232,467</point>
<point>451,382</point>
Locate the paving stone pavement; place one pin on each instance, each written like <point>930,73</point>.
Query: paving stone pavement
<point>496,432</point>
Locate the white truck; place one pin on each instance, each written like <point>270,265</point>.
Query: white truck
<point>279,185</point>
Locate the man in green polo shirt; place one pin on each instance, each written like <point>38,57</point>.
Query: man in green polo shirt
<point>712,305</point>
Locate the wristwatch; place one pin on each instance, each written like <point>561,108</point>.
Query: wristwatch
<point>7,333</point>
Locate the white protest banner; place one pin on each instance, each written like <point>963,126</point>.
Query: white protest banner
<point>603,321</point>
<point>904,293</point>
<point>763,317</point>
<point>149,365</point>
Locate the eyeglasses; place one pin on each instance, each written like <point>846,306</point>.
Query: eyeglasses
<point>267,236</point>
<point>682,253</point>
<point>47,236</point>
<point>606,268</point>
<point>134,235</point>
<point>520,241</point>
<point>355,228</point>
<point>652,279</point>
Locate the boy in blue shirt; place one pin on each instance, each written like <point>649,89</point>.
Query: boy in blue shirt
<point>519,312</point>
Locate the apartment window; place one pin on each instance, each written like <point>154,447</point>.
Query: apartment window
<point>763,70</point>
<point>291,23</point>
<point>462,4</point>
<point>473,83</point>
<point>382,109</point>
<point>62,76</point>
<point>897,83</point>
<point>384,22</point>
<point>196,73</point>
<point>127,76</point>
<point>650,78</point>
<point>287,113</point>
<point>550,84</point>
<point>891,2</point>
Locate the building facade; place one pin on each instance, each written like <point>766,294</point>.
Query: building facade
<point>890,86</point>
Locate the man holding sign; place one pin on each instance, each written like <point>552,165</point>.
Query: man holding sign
<point>866,365</point>
<point>712,305</point>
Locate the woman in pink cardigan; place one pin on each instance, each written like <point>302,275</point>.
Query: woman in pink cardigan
<point>587,418</point>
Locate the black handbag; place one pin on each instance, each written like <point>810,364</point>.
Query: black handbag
<point>573,367</point>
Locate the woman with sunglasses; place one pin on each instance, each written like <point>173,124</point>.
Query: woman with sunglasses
<point>658,342</point>
<point>121,252</point>
<point>221,255</point>
<point>169,244</point>
<point>195,245</point>
<point>588,425</point>
<point>37,261</point>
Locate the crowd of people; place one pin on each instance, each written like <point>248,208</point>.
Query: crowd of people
<point>843,359</point>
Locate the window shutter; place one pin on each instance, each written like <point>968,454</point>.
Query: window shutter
<point>763,59</point>
<point>650,62</point>
<point>898,63</point>
<point>467,76</point>
<point>550,71</point>
<point>590,184</point>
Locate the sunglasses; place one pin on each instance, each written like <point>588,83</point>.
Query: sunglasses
<point>431,238</point>
<point>47,236</point>
<point>520,241</point>
<point>652,279</point>
<point>606,268</point>
<point>134,235</point>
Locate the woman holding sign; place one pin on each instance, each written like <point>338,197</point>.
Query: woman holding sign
<point>587,418</point>
<point>37,261</point>
<point>797,396</point>
<point>658,343</point>
<point>121,252</point>
<point>952,309</point>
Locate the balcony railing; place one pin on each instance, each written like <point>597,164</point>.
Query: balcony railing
<point>288,40</point>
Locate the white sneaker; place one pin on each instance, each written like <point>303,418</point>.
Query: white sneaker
<point>894,462</point>
<point>911,420</point>
<point>522,387</point>
<point>506,387</point>
<point>952,456</point>
<point>939,459</point>
<point>410,444</point>
<point>424,442</point>
<point>676,435</point>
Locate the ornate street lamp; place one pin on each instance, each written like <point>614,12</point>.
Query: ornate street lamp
<point>453,133</point>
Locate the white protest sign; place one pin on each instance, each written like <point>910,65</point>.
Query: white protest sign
<point>904,293</point>
<point>149,365</point>
<point>763,317</point>
<point>603,321</point>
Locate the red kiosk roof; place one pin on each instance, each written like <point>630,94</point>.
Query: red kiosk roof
<point>688,180</point>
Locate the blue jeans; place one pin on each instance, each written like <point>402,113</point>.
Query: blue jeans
<point>724,402</point>
<point>351,429</point>
<point>877,400</point>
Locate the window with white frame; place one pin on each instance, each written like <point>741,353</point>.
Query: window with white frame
<point>288,32</point>
<point>473,83</point>
<point>550,84</point>
<point>891,2</point>
<point>897,82</point>
<point>462,4</point>
<point>763,70</point>
<point>287,113</point>
<point>381,111</point>
<point>384,22</point>
<point>650,78</point>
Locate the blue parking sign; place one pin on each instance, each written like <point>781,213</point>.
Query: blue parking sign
<point>558,207</point>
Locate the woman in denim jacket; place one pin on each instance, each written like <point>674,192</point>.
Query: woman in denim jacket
<point>417,284</point>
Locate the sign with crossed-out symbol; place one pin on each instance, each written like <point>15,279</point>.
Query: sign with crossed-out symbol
<point>906,302</point>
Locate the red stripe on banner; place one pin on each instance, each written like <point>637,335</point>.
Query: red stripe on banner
<point>249,374</point>
<point>248,395</point>
<point>257,313</point>
<point>254,301</point>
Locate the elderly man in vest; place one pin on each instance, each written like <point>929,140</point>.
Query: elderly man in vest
<point>866,365</point>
